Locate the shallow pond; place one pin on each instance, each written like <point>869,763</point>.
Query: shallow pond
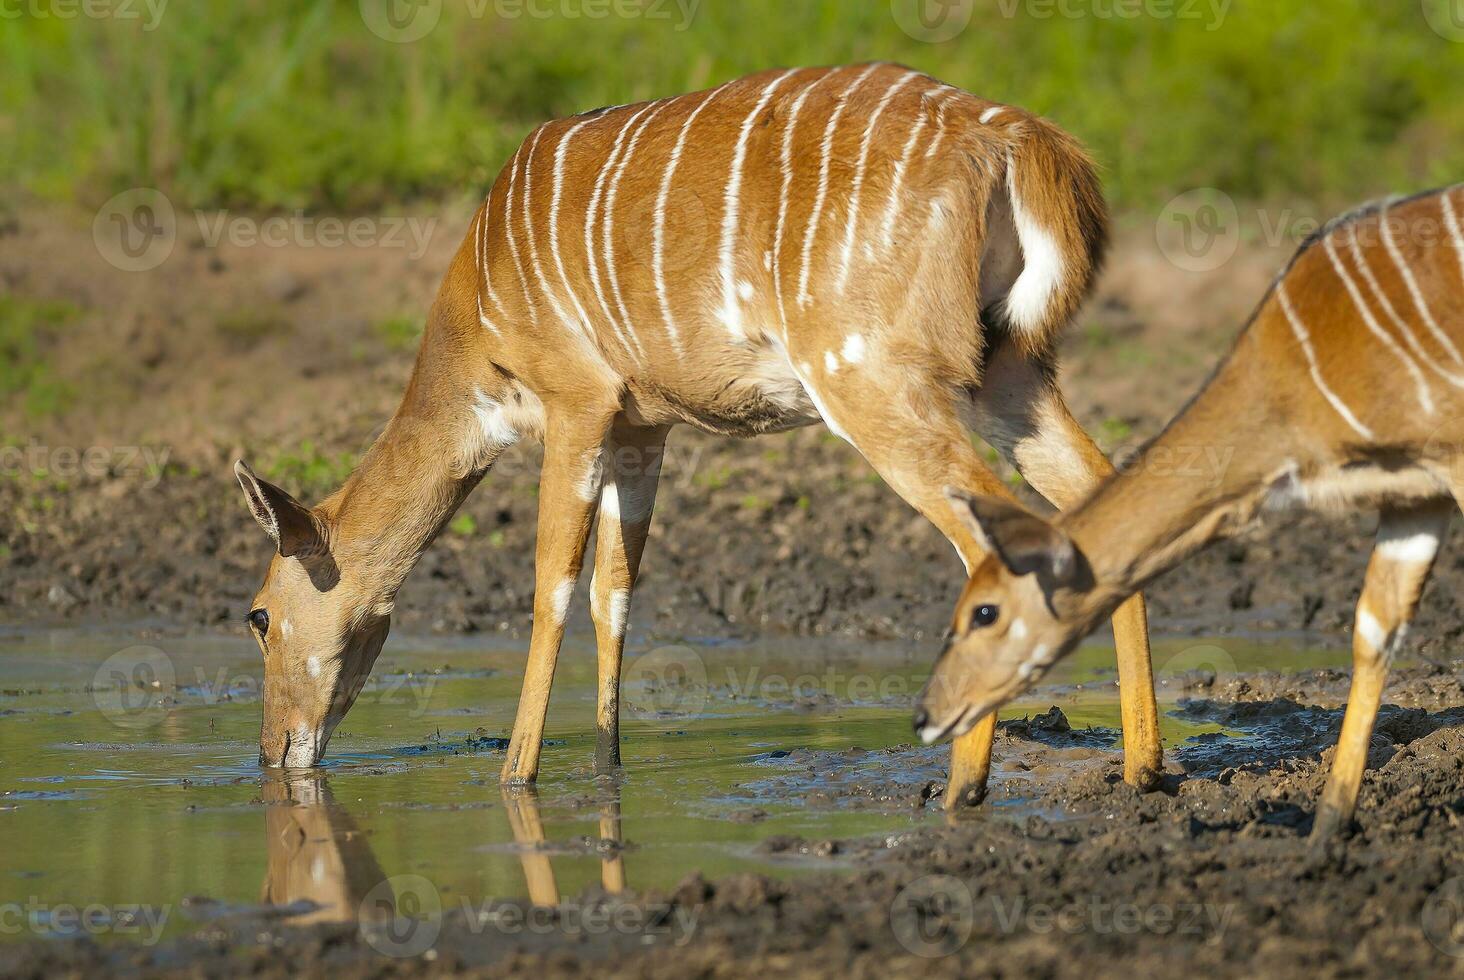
<point>128,772</point>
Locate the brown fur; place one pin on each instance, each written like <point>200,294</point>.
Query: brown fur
<point>599,349</point>
<point>1337,395</point>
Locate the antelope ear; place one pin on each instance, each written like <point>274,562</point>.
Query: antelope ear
<point>1022,541</point>
<point>289,523</point>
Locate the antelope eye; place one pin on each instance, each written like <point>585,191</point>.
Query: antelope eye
<point>984,616</point>
<point>259,619</point>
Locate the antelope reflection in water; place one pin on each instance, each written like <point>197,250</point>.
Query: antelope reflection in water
<point>321,861</point>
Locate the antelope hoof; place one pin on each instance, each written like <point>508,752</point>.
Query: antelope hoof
<point>1145,779</point>
<point>1328,824</point>
<point>965,798</point>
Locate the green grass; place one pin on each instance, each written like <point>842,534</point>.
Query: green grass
<point>307,472</point>
<point>400,333</point>
<point>26,379</point>
<point>299,105</point>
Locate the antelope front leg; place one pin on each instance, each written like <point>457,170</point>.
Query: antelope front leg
<point>1022,413</point>
<point>1408,541</point>
<point>919,453</point>
<point>633,461</point>
<point>568,488</point>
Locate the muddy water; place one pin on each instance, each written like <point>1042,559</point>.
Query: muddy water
<point>128,772</point>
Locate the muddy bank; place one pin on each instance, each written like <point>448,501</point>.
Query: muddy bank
<point>1080,878</point>
<point>819,547</point>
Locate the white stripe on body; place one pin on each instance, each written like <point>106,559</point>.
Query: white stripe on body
<point>554,196</point>
<point>513,248</point>
<point>731,312</point>
<point>658,231</point>
<point>859,168</point>
<point>786,166</point>
<point>897,180</point>
<point>1304,339</point>
<point>595,199</point>
<point>811,231</point>
<point>607,225</point>
<point>1425,397</point>
<point>1457,380</point>
<point>1418,301</point>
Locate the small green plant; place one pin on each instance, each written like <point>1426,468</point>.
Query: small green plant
<point>463,526</point>
<point>25,326</point>
<point>400,332</point>
<point>309,472</point>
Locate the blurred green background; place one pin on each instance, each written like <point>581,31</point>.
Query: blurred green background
<point>300,104</point>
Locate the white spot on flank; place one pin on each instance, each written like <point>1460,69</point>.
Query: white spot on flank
<point>804,297</point>
<point>768,260</point>
<point>658,226</point>
<point>859,168</point>
<point>563,592</point>
<point>744,290</point>
<point>1425,398</point>
<point>1042,264</point>
<point>1371,630</point>
<point>312,666</point>
<point>831,361</point>
<point>1304,339</point>
<point>853,348</point>
<point>1410,549</point>
<point>991,113</point>
<point>731,313</point>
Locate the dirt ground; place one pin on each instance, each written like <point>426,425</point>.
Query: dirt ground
<point>281,353</point>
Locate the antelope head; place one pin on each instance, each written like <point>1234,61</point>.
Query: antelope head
<point>318,622</point>
<point>1024,607</point>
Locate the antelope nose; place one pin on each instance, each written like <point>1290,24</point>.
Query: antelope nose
<point>921,718</point>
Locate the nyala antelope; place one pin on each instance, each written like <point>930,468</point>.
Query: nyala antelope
<point>1345,390</point>
<point>859,245</point>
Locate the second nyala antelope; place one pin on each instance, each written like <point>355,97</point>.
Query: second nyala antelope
<point>1345,391</point>
<point>860,245</point>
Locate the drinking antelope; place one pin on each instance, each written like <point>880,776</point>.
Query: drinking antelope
<point>1345,390</point>
<point>861,245</point>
